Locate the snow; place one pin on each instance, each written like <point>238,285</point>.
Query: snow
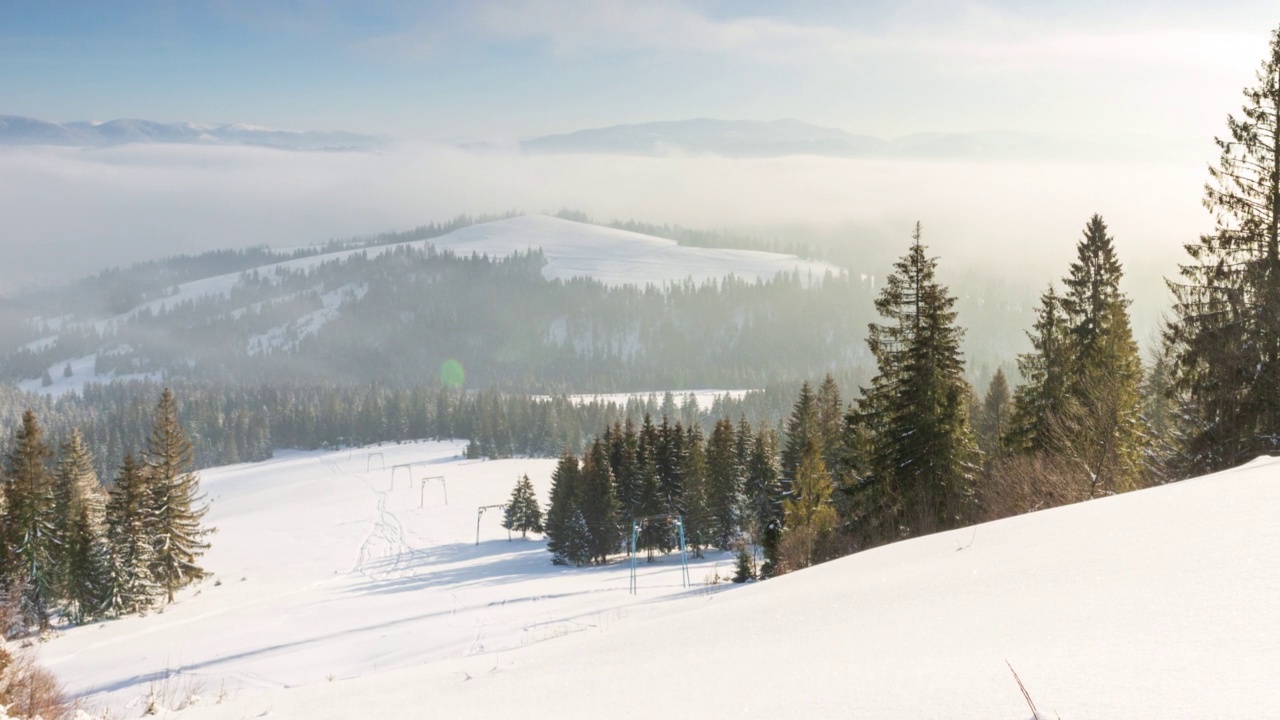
<point>82,374</point>
<point>620,257</point>
<point>1159,603</point>
<point>324,571</point>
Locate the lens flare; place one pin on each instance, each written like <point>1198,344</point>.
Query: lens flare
<point>451,373</point>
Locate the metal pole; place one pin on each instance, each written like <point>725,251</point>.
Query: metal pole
<point>634,531</point>
<point>684,557</point>
<point>479,512</point>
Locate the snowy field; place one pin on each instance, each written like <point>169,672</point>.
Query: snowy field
<point>324,572</point>
<point>1163,604</point>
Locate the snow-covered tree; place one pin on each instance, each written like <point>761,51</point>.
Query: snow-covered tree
<point>131,587</point>
<point>522,512</point>
<point>176,505</point>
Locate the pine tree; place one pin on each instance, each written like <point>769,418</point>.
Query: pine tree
<point>1100,430</point>
<point>648,489</point>
<point>577,548</point>
<point>86,572</point>
<point>131,587</point>
<point>670,464</point>
<point>175,503</point>
<point>724,489</point>
<point>992,420</point>
<point>81,510</point>
<point>1044,395</point>
<point>764,496</point>
<point>522,512</point>
<point>809,515</point>
<point>830,421</point>
<point>1163,423</point>
<point>696,515</point>
<point>921,447</point>
<point>598,504</point>
<point>1225,337</point>
<point>560,512</point>
<point>32,545</point>
<point>802,426</point>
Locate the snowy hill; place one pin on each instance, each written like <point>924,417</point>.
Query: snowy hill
<point>1155,604</point>
<point>302,306</point>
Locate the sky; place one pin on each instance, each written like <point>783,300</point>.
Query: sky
<point>518,68</point>
<point>430,75</point>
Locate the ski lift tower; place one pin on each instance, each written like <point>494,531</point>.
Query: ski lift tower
<point>638,524</point>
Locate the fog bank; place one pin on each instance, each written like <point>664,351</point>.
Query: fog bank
<point>69,212</point>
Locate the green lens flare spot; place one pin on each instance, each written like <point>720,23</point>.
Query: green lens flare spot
<point>451,373</point>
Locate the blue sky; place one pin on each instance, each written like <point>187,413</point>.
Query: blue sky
<point>516,68</point>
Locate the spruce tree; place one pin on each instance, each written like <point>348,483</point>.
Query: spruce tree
<point>1043,397</point>
<point>32,544</point>
<point>175,503</point>
<point>830,421</point>
<point>992,421</point>
<point>599,505</point>
<point>648,489</point>
<point>131,586</point>
<point>696,514</point>
<point>81,514</point>
<point>724,489</point>
<point>803,425</point>
<point>522,512</point>
<point>560,512</point>
<point>915,413</point>
<point>809,515</point>
<point>764,497</point>
<point>1225,337</point>
<point>1100,430</point>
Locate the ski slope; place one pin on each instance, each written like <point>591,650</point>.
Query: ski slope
<point>1163,603</point>
<point>324,572</point>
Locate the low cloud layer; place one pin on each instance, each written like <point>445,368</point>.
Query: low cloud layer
<point>69,212</point>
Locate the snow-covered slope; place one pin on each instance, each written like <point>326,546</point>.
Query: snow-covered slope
<point>334,565</point>
<point>620,257</point>
<point>1163,603</point>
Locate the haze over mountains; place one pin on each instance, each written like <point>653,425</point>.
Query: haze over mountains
<point>782,138</point>
<point>697,136</point>
<point>16,130</point>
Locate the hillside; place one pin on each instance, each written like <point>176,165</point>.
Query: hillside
<point>323,570</point>
<point>521,301</point>
<point>339,598</point>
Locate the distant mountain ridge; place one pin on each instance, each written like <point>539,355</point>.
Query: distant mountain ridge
<point>18,130</point>
<point>781,138</point>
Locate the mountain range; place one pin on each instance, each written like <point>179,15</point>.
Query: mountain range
<point>780,138</point>
<point>17,130</point>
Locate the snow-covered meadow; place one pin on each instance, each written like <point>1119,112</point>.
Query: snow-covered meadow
<point>340,597</point>
<point>334,565</point>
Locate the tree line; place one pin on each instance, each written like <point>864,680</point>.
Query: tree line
<point>919,451</point>
<point>71,547</point>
